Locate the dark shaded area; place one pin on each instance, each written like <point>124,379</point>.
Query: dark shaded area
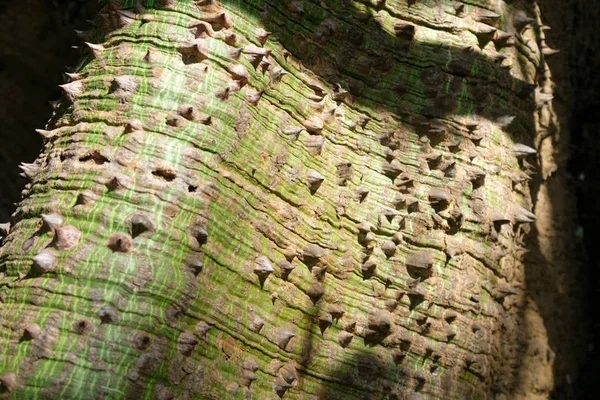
<point>35,45</point>
<point>584,166</point>
<point>392,382</point>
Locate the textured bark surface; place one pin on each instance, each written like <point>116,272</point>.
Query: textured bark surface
<point>332,210</point>
<point>554,308</point>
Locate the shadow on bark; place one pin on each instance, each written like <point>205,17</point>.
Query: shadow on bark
<point>558,271</point>
<point>374,70</point>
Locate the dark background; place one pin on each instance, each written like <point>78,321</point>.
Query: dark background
<point>583,61</point>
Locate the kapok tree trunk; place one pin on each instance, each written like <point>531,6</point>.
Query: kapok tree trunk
<point>266,199</point>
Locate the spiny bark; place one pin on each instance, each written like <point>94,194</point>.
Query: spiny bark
<point>268,199</point>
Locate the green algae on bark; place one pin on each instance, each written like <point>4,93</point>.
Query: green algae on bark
<point>264,199</point>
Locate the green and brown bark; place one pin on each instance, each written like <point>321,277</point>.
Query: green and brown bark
<point>264,199</point>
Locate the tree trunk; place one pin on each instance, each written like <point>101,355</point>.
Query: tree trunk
<point>265,199</point>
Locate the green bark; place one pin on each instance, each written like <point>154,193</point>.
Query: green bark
<point>332,211</point>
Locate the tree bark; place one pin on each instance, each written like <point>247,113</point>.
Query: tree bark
<point>267,199</point>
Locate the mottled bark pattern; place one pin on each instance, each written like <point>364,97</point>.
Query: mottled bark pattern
<point>279,199</point>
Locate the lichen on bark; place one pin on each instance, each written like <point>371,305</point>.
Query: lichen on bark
<point>264,199</point>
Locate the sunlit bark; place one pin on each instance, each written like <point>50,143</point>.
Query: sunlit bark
<point>263,199</point>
